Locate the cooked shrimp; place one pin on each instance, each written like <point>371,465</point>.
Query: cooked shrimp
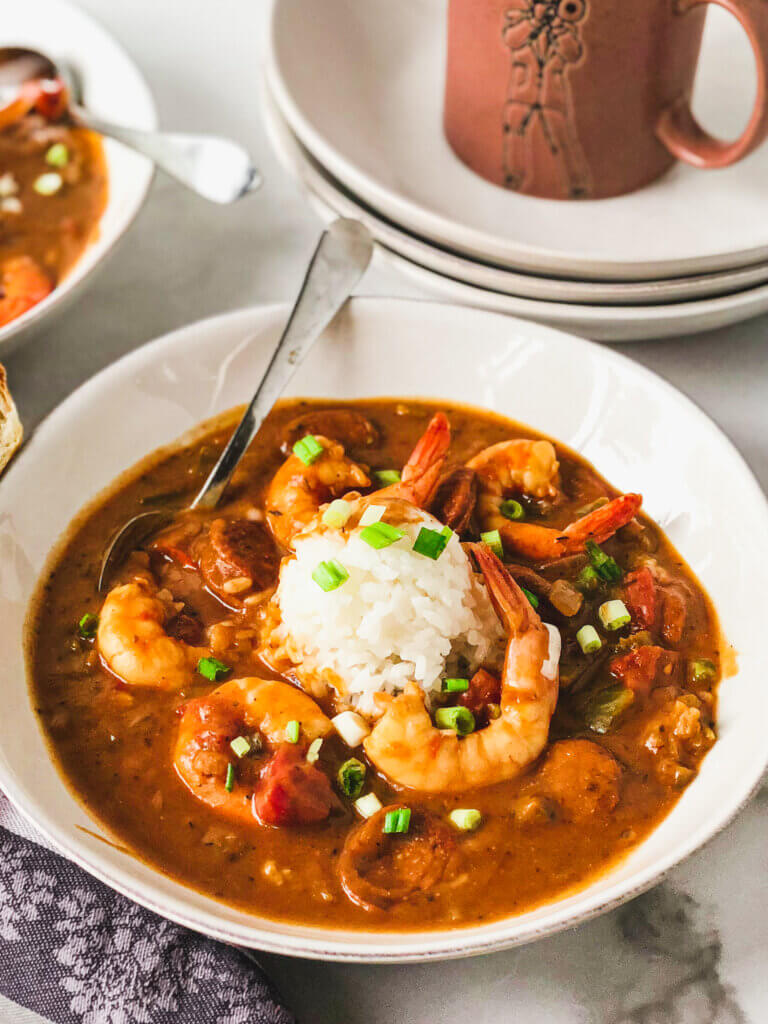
<point>515,467</point>
<point>133,641</point>
<point>244,707</point>
<point>421,473</point>
<point>531,468</point>
<point>544,543</point>
<point>407,747</point>
<point>22,285</point>
<point>297,491</point>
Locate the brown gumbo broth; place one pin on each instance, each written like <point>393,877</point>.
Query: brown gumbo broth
<point>632,723</point>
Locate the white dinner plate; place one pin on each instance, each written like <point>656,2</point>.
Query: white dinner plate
<point>300,162</point>
<point>617,323</point>
<point>114,89</point>
<point>375,123</point>
<point>636,429</point>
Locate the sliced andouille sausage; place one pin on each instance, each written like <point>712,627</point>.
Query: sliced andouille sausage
<point>236,556</point>
<point>347,426</point>
<point>580,777</point>
<point>378,869</point>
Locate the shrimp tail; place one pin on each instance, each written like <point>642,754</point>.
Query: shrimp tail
<point>543,543</point>
<point>422,471</point>
<point>603,522</point>
<point>512,606</point>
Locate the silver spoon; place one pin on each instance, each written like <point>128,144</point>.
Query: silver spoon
<point>338,263</point>
<point>216,168</point>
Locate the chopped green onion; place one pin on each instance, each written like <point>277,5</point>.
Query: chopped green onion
<point>589,639</point>
<point>213,669</point>
<point>466,819</point>
<point>330,575</point>
<point>351,778</point>
<point>588,580</point>
<point>455,685</point>
<point>432,543</point>
<point>337,513</point>
<point>368,805</point>
<point>512,509</point>
<point>531,597</point>
<point>48,184</point>
<point>380,535</point>
<point>493,539</point>
<point>314,750</point>
<point>292,731</point>
<point>387,476</point>
<point>88,625</point>
<point>397,821</point>
<point>607,568</point>
<point>308,449</point>
<point>614,614</point>
<point>57,155</point>
<point>372,514</point>
<point>703,671</point>
<point>241,746</point>
<point>460,719</point>
<point>229,783</point>
<point>603,710</point>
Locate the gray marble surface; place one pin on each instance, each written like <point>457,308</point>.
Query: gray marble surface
<point>693,950</point>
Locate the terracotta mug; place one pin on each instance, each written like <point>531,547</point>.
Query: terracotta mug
<point>584,99</point>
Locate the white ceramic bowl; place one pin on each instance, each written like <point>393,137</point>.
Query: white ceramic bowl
<point>114,89</point>
<point>640,432</point>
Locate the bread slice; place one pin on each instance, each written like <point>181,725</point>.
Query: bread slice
<point>11,430</point>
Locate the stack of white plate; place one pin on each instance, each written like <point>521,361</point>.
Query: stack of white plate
<point>354,98</point>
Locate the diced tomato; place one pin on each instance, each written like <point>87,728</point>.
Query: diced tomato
<point>640,597</point>
<point>292,791</point>
<point>484,689</point>
<point>646,667</point>
<point>52,98</point>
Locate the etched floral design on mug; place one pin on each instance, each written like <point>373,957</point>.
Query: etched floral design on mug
<point>543,38</point>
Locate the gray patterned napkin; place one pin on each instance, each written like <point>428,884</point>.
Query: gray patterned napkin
<point>72,951</point>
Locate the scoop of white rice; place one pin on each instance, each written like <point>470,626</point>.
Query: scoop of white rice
<point>400,616</point>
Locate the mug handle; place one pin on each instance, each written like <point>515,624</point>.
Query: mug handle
<point>679,130</point>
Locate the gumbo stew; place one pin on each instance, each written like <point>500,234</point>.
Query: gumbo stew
<point>421,668</point>
<point>53,189</point>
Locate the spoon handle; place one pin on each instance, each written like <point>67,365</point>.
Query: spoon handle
<point>340,260</point>
<point>215,168</point>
